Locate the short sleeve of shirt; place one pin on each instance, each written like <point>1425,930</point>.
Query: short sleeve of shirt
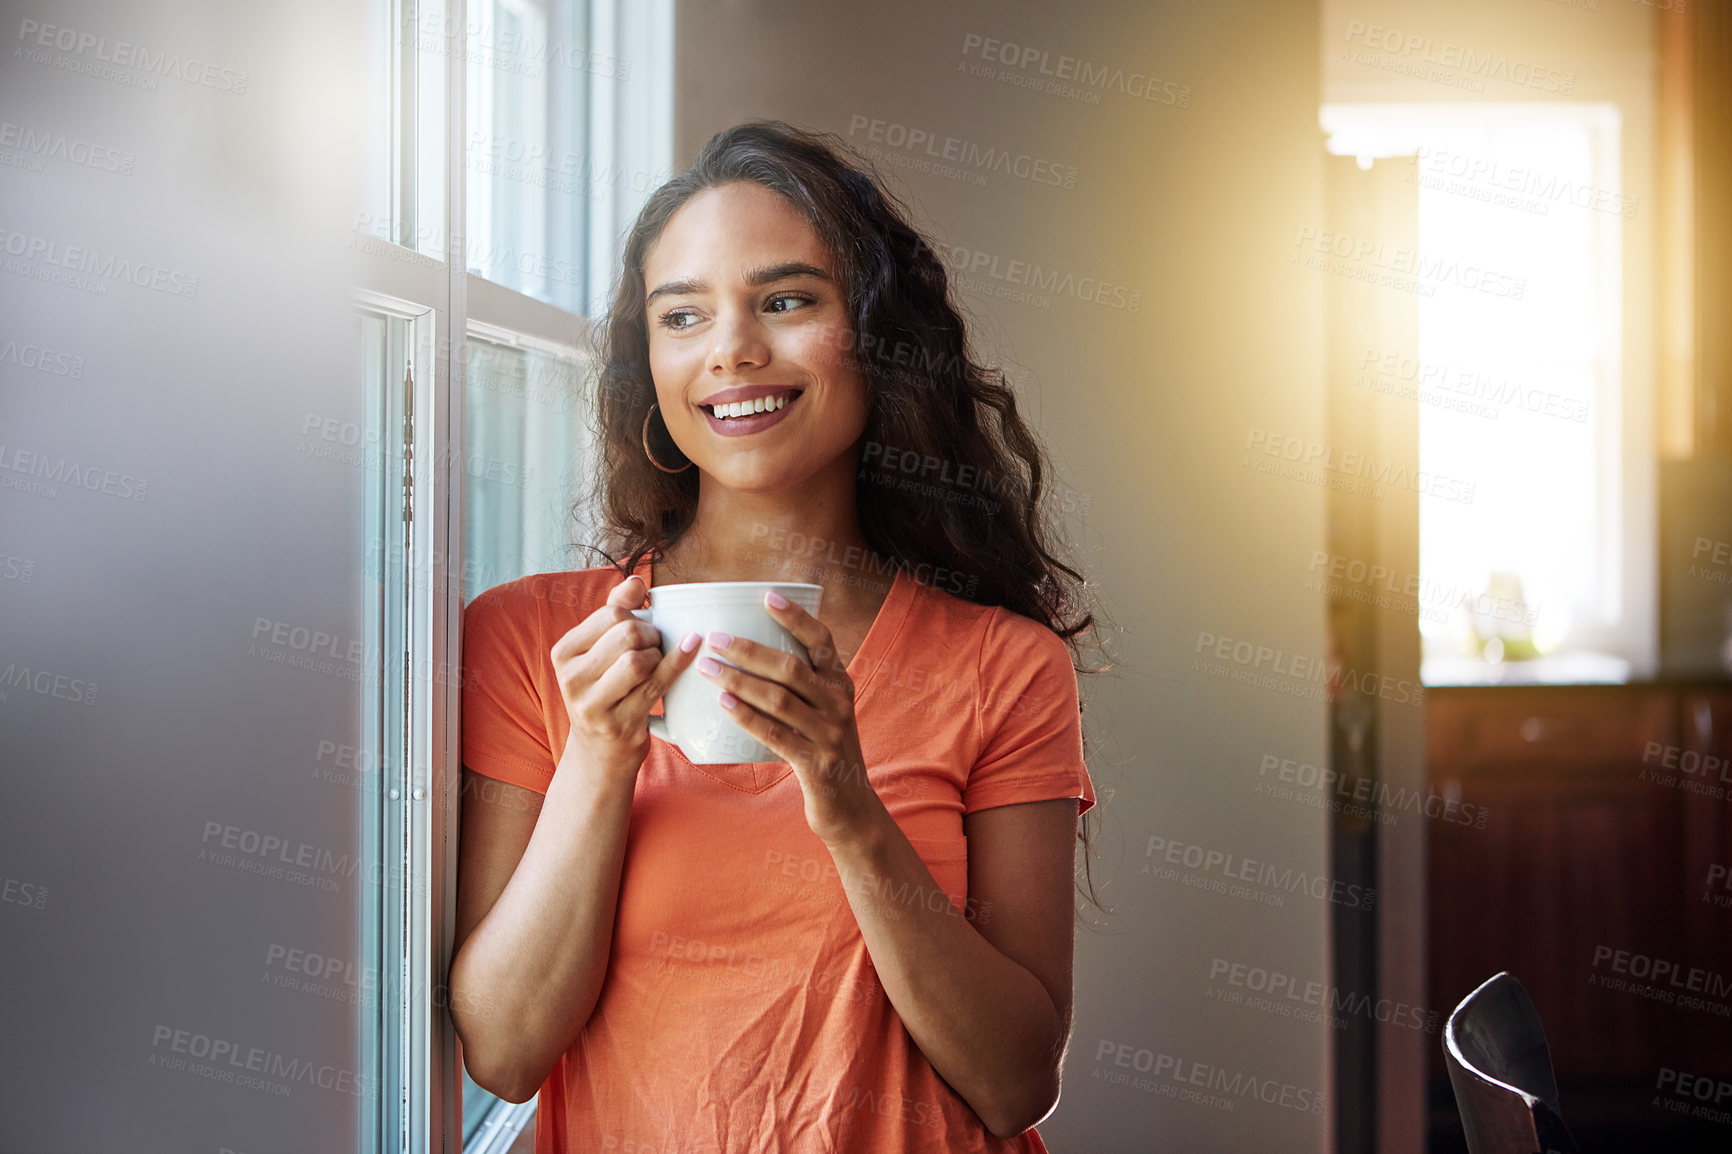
<point>504,731</point>
<point>1030,722</point>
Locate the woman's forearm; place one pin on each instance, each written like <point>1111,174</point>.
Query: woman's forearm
<point>987,1025</point>
<point>527,978</point>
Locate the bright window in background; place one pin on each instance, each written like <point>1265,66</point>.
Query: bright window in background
<point>403,200</point>
<point>568,126</point>
<point>1522,397</point>
<point>527,457</point>
<point>525,145</point>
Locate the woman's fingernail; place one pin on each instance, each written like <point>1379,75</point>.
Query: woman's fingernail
<point>690,642</point>
<point>775,600</point>
<point>709,666</point>
<point>719,640</point>
<point>728,700</point>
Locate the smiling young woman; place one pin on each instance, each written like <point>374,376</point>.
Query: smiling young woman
<point>865,945</point>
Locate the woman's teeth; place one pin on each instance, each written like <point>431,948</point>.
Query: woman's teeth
<point>748,408</point>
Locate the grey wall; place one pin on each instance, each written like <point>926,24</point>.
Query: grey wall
<point>156,508</point>
<point>1191,201</point>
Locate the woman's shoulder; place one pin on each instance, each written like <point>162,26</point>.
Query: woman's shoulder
<point>998,634</point>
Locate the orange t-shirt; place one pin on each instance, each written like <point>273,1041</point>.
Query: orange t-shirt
<point>741,1011</point>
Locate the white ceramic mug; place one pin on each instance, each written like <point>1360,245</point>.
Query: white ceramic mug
<point>693,717</point>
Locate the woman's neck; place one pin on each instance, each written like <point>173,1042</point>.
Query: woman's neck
<point>807,534</point>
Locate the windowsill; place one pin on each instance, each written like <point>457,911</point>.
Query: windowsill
<point>1577,668</point>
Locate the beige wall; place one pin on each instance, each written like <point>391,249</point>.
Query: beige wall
<point>1194,205</point>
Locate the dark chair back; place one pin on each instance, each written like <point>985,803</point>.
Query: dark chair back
<point>1501,1070</point>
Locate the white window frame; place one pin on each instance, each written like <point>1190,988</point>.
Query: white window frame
<point>419,1091</point>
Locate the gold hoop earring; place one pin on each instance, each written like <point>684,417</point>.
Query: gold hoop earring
<point>646,448</point>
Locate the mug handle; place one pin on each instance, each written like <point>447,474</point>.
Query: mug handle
<point>658,725</point>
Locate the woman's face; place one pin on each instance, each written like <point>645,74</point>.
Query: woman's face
<point>745,304</point>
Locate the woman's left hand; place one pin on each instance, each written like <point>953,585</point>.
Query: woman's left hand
<point>805,714</point>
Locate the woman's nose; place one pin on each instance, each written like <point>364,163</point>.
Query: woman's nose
<point>739,342</point>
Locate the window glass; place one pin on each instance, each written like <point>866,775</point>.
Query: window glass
<point>526,458</point>
<point>1535,551</point>
<point>569,126</point>
<point>528,174</point>
<point>1528,533</point>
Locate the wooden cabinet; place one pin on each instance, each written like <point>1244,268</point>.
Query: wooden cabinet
<point>1594,881</point>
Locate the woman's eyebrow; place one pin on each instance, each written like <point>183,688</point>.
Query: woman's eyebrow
<point>675,287</point>
<point>767,274</point>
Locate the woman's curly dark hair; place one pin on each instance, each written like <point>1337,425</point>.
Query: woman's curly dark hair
<point>929,400</point>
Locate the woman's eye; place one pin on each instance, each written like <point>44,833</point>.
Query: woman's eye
<point>789,303</point>
<point>679,319</point>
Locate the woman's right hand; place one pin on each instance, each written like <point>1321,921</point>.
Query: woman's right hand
<point>611,670</point>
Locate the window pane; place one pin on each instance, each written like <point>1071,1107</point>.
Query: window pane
<point>1526,536</point>
<point>1532,380</point>
<point>403,195</point>
<point>569,126</point>
<point>524,456</point>
<point>379,183</point>
<point>529,169</point>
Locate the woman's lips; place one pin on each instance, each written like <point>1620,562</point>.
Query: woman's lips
<point>746,426</point>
